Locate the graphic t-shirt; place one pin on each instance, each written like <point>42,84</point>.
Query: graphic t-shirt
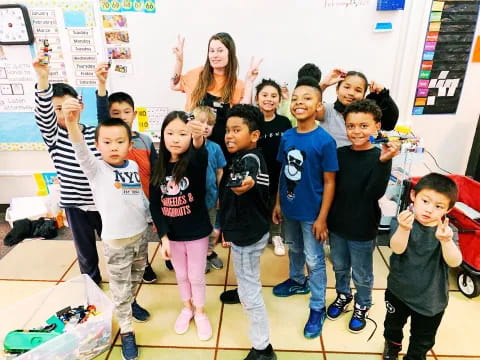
<point>304,157</point>
<point>117,193</point>
<point>179,209</point>
<point>269,142</point>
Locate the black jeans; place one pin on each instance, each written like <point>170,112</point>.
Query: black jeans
<point>83,225</point>
<point>422,328</point>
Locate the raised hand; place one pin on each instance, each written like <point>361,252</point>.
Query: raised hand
<point>71,109</point>
<point>196,128</point>
<point>101,71</point>
<point>178,48</point>
<point>389,150</point>
<point>376,87</point>
<point>40,69</point>
<point>284,90</point>
<point>253,69</point>
<point>444,232</point>
<point>405,219</point>
<point>333,77</point>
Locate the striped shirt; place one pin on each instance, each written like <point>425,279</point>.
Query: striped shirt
<point>74,187</point>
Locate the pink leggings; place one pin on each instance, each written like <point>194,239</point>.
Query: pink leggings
<point>189,259</point>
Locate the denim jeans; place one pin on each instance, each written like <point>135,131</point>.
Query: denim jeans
<point>304,248</point>
<point>246,262</point>
<point>353,259</point>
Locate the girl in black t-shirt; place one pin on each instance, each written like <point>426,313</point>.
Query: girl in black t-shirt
<point>268,98</point>
<point>177,204</point>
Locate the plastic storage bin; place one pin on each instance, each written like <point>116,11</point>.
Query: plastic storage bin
<point>83,341</point>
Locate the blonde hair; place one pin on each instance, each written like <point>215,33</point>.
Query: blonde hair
<point>211,116</point>
<point>206,79</point>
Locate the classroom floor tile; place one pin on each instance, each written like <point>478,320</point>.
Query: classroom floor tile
<point>166,354</point>
<point>38,260</point>
<point>75,270</point>
<point>30,267</point>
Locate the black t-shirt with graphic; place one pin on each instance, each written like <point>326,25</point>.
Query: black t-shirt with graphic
<point>179,210</point>
<point>269,142</point>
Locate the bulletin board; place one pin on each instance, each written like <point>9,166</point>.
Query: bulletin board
<point>445,56</point>
<point>139,40</point>
<point>71,27</point>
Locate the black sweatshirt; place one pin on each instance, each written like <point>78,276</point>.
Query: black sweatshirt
<point>179,210</point>
<point>245,218</point>
<point>360,182</point>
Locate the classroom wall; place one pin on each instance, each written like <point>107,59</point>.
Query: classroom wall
<point>392,58</point>
<point>447,137</point>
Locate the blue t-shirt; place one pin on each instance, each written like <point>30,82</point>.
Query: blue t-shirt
<point>216,160</point>
<point>304,157</point>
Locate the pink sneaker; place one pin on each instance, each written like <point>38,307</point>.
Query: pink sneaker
<point>183,321</point>
<point>204,329</point>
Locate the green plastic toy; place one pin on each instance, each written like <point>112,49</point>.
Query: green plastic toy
<point>20,341</point>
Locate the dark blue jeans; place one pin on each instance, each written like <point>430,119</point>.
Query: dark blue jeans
<point>352,258</point>
<point>304,248</point>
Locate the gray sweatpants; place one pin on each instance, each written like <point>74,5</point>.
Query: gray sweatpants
<point>246,261</point>
<point>125,267</point>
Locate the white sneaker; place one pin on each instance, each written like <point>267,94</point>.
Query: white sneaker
<point>278,246</point>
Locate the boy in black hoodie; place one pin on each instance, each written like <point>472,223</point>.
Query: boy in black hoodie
<point>244,218</point>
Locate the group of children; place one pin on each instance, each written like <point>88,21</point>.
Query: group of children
<point>319,180</point>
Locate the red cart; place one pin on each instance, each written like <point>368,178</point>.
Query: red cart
<point>468,278</point>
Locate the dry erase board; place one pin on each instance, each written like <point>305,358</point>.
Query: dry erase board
<point>286,34</point>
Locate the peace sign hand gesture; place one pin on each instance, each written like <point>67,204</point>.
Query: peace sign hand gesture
<point>252,72</point>
<point>444,232</point>
<point>178,49</point>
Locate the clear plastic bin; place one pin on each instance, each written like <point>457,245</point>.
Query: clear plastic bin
<point>84,341</point>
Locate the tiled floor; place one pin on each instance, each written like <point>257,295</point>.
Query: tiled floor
<point>36,265</point>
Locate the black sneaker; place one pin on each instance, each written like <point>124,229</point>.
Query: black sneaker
<point>230,297</point>
<point>129,346</point>
<point>267,354</point>
<point>169,265</point>
<point>339,306</point>
<point>359,318</point>
<point>139,314</point>
<point>215,261</point>
<point>149,275</point>
<point>391,350</point>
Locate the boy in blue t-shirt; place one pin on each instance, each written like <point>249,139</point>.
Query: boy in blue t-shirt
<point>307,184</point>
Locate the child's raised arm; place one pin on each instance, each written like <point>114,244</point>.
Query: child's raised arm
<point>71,110</point>
<point>382,97</point>
<point>451,253</point>
<point>102,101</point>
<point>101,72</point>
<point>399,240</point>
<point>177,70</point>
<point>333,77</point>
<point>42,72</point>
<point>197,129</point>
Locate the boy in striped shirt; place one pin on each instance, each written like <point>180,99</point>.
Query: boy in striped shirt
<point>75,193</point>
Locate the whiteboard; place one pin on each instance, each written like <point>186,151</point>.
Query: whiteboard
<point>286,34</point>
